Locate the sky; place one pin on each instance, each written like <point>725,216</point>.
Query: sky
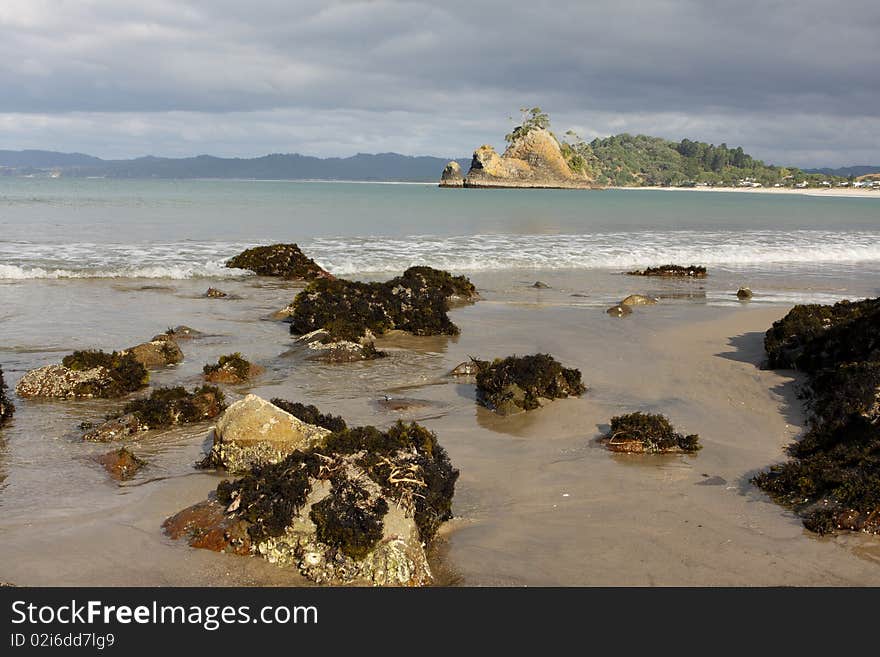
<point>795,83</point>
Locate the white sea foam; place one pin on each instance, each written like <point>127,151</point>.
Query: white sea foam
<point>347,256</point>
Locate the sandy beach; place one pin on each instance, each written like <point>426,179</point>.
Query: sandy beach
<point>830,192</point>
<point>539,502</point>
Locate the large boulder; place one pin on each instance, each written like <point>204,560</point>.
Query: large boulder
<point>86,374</point>
<point>282,260</point>
<point>534,159</point>
<point>6,406</point>
<point>451,176</point>
<point>359,509</point>
<point>254,431</point>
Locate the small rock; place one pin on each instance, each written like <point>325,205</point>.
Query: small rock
<point>638,300</point>
<point>619,311</point>
<point>743,294</point>
<point>121,464</point>
<point>214,293</point>
<point>115,429</point>
<point>157,353</point>
<point>540,285</point>
<point>467,368</point>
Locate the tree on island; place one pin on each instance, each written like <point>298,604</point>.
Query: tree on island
<point>532,119</point>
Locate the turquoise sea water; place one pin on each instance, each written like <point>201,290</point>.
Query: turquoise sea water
<point>57,228</point>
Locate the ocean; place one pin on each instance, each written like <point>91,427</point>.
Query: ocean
<point>107,264</point>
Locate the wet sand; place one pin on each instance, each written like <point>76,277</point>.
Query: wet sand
<point>539,502</point>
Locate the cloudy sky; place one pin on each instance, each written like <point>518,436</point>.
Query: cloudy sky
<point>795,82</point>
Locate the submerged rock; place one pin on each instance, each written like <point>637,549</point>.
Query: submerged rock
<point>328,350</point>
<point>744,294</point>
<point>467,368</point>
<point>358,508</point>
<point>86,374</point>
<point>232,368</point>
<point>513,384</point>
<point>619,311</point>
<point>451,176</point>
<point>6,406</point>
<point>540,286</point>
<point>638,433</point>
<point>214,293</point>
<point>254,431</point>
<point>638,300</point>
<point>349,311</point>
<point>282,260</point>
<point>121,463</point>
<point>833,478</point>
<point>165,407</point>
<point>180,333</point>
<point>158,352</point>
<point>694,271</point>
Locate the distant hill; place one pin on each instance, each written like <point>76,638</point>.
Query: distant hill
<point>846,172</point>
<point>378,167</point>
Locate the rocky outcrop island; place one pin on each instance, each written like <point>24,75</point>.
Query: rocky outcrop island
<point>534,158</point>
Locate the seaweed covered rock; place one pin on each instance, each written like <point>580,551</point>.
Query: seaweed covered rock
<point>669,271</point>
<point>416,302</point>
<point>833,478</point>
<point>6,406</point>
<point>813,336</point>
<point>165,407</point>
<point>158,352</point>
<point>282,260</point>
<point>637,433</point>
<point>121,463</point>
<point>514,384</point>
<point>86,374</point>
<point>232,368</point>
<point>323,347</point>
<point>254,431</point>
<point>179,333</point>
<point>359,508</point>
<point>744,294</point>
<point>214,293</point>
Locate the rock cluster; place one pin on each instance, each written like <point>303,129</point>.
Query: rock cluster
<point>348,313</point>
<point>833,478</point>
<point>672,271</point>
<point>351,505</point>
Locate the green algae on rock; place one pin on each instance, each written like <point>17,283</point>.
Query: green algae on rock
<point>231,368</point>
<point>670,271</point>
<point>519,383</point>
<point>6,407</point>
<point>416,302</point>
<point>833,478</point>
<point>281,260</point>
<point>636,433</point>
<point>165,407</point>
<point>357,507</point>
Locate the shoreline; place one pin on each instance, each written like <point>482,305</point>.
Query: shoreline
<point>782,191</point>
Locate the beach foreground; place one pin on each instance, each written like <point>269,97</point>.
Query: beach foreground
<point>539,502</point>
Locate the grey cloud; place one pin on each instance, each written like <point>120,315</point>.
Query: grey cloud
<point>209,76</point>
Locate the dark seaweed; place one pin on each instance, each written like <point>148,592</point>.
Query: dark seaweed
<point>310,414</point>
<point>653,431</point>
<point>126,373</point>
<point>285,260</point>
<point>169,406</point>
<point>523,380</point>
<point>347,519</point>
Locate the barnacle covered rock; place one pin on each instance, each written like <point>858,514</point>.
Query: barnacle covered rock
<point>85,374</point>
